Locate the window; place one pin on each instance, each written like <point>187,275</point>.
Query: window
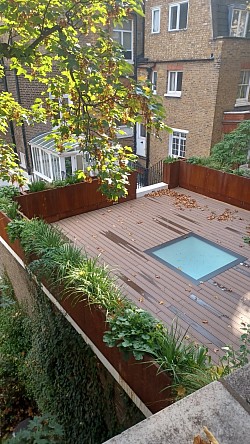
<point>243,96</point>
<point>123,34</point>
<point>177,145</point>
<point>154,82</point>
<point>240,23</point>
<point>62,105</point>
<point>178,15</point>
<point>156,18</point>
<point>174,84</point>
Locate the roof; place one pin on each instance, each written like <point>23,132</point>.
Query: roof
<point>46,142</point>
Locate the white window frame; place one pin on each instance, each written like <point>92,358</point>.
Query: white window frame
<point>175,92</point>
<point>36,154</point>
<point>244,100</point>
<point>171,137</point>
<point>154,82</point>
<point>157,8</point>
<point>122,31</point>
<point>238,33</point>
<point>171,6</point>
<point>60,99</point>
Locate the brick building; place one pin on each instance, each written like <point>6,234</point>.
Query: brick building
<point>197,55</point>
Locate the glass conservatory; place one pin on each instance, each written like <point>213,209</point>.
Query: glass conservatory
<point>49,164</point>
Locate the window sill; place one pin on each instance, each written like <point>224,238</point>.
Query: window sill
<point>177,30</point>
<point>174,95</point>
<point>155,32</point>
<point>242,103</point>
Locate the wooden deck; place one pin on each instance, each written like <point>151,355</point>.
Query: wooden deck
<point>214,310</point>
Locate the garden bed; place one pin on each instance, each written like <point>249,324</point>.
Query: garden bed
<point>58,203</point>
<point>216,184</point>
<point>143,377</point>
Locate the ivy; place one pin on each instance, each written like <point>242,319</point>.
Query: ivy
<point>45,360</point>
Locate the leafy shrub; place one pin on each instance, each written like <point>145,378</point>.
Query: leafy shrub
<point>230,153</point>
<point>42,429</point>
<point>170,159</point>
<point>247,240</point>
<point>62,373</point>
<point>9,192</point>
<point>235,359</point>
<point>14,229</point>
<point>14,345</point>
<point>9,207</point>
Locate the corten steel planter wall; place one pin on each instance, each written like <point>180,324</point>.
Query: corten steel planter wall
<point>171,174</point>
<point>59,203</point>
<point>4,220</point>
<point>141,376</point>
<point>225,187</point>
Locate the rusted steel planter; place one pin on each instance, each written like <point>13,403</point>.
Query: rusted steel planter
<point>171,174</point>
<point>59,203</point>
<point>225,187</point>
<point>142,376</point>
<point>4,220</point>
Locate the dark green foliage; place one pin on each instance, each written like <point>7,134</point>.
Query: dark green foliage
<point>247,240</point>
<point>230,153</point>
<point>41,430</point>
<point>234,359</point>
<point>63,375</point>
<point>40,185</point>
<point>14,344</point>
<point>170,159</point>
<point>9,207</point>
<point>9,192</point>
<point>15,228</point>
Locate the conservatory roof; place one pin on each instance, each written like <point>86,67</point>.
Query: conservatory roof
<point>46,142</point>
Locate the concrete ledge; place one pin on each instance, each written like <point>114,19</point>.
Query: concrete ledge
<point>212,406</point>
<point>140,192</point>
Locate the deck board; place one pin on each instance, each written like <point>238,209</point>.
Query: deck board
<point>212,310</point>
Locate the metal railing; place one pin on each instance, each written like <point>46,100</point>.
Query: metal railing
<point>149,176</point>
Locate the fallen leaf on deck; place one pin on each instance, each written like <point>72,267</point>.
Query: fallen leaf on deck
<point>161,302</point>
<point>204,321</point>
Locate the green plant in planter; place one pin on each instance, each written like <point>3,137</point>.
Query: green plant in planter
<point>170,159</point>
<point>40,185</point>
<point>14,228</point>
<point>235,359</point>
<point>42,429</point>
<point>9,192</point>
<point>9,207</point>
<point>232,151</point>
<point>247,240</point>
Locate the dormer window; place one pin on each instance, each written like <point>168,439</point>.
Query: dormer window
<point>240,23</point>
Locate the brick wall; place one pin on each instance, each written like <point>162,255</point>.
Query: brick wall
<point>193,111</point>
<point>235,56</point>
<point>210,80</point>
<point>194,42</point>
